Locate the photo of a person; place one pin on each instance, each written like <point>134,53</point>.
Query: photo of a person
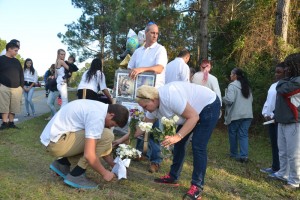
<point>125,86</point>
<point>144,80</point>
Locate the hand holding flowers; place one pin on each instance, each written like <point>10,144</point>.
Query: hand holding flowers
<point>166,137</point>
<point>169,129</point>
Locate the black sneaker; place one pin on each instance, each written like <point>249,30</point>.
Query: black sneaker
<point>193,193</point>
<point>12,125</point>
<point>242,160</point>
<point>4,126</point>
<point>167,179</point>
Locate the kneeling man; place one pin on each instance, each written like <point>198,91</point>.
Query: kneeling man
<point>83,126</point>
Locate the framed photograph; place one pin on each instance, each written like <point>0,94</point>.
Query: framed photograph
<point>132,105</point>
<point>124,86</point>
<point>144,79</point>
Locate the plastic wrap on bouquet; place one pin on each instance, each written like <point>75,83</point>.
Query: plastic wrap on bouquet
<point>120,167</point>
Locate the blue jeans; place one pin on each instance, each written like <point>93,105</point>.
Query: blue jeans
<point>51,101</point>
<point>273,133</point>
<point>28,99</point>
<point>154,152</point>
<point>238,133</point>
<point>201,134</point>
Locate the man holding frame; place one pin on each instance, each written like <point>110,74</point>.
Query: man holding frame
<point>152,57</point>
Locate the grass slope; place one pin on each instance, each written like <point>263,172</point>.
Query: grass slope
<point>25,174</point>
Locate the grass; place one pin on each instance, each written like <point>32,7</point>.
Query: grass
<point>25,174</point>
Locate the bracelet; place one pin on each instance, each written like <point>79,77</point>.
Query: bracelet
<point>179,134</point>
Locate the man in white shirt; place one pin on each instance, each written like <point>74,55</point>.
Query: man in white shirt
<point>178,70</point>
<point>83,126</point>
<point>152,57</point>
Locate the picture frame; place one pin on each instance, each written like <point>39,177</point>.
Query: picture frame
<point>125,88</point>
<point>144,79</point>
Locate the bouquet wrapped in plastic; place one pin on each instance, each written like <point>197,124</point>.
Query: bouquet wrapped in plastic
<point>124,155</point>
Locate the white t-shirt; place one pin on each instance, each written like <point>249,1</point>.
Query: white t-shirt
<point>148,57</point>
<point>93,83</point>
<point>177,70</point>
<point>174,96</point>
<point>30,77</point>
<point>269,106</point>
<point>212,83</point>
<point>81,114</point>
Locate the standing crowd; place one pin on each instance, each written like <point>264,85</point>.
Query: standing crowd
<point>84,126</point>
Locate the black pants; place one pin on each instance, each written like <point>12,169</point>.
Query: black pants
<point>90,94</point>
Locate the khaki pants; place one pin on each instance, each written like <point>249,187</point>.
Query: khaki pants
<point>10,99</point>
<point>72,144</point>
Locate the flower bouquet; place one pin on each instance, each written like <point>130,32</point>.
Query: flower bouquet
<point>145,126</point>
<point>124,154</point>
<point>169,129</point>
<point>135,117</point>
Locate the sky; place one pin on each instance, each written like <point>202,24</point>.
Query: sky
<point>36,23</point>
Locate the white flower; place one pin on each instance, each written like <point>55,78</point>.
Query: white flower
<point>145,126</point>
<point>175,118</point>
<point>126,151</point>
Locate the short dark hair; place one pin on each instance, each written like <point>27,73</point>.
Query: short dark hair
<point>15,41</point>
<point>183,52</point>
<point>11,45</point>
<point>73,57</point>
<point>121,114</point>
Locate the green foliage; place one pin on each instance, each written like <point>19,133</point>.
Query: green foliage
<point>241,34</point>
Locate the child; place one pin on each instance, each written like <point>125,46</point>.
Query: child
<point>72,68</point>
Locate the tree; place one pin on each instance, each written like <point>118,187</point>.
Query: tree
<point>203,30</point>
<point>282,19</point>
<point>281,27</point>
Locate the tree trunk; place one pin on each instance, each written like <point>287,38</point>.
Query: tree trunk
<point>281,27</point>
<point>282,19</point>
<point>203,30</point>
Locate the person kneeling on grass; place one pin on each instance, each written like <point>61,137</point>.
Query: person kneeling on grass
<point>82,126</point>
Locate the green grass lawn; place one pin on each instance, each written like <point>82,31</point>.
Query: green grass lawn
<point>25,174</point>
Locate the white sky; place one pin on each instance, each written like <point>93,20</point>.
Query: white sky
<point>36,23</point>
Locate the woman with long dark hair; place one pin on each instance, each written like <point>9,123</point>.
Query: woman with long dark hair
<point>238,114</point>
<point>30,78</point>
<point>92,80</point>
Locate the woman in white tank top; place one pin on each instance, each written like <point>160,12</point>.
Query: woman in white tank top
<point>60,67</point>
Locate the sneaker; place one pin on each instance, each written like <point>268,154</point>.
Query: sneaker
<point>276,176</point>
<point>80,182</point>
<point>60,169</point>
<point>154,167</point>
<point>267,170</point>
<point>167,179</point>
<point>290,187</point>
<point>4,126</point>
<point>194,193</point>
<point>242,160</point>
<point>27,115</point>
<point>12,125</point>
<point>33,115</point>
